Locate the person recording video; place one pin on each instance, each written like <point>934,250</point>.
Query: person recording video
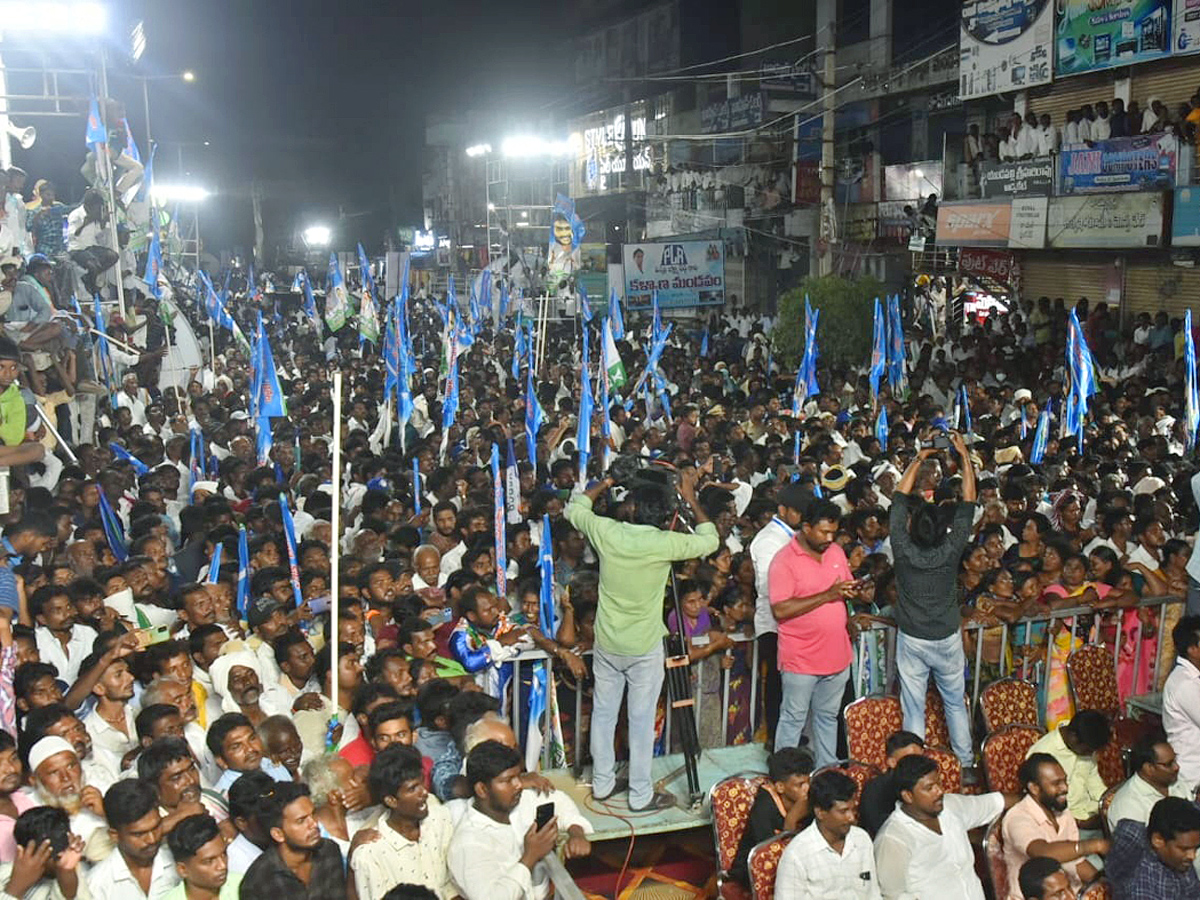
<point>635,563</point>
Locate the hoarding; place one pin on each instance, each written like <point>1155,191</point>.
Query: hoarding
<point>1185,218</point>
<point>1105,222</point>
<point>1004,46</point>
<point>1029,176</point>
<point>1145,162</point>
<point>685,273</point>
<point>1027,224</point>
<point>1186,19</point>
<point>1089,36</point>
<point>995,264</point>
<point>973,224</point>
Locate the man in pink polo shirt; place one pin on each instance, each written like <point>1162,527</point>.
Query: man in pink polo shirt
<point>808,582</point>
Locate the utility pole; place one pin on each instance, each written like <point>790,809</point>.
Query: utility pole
<point>825,218</point>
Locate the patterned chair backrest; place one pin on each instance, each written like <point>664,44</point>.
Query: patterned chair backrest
<point>1110,762</point>
<point>1099,889</point>
<point>993,848</point>
<point>1106,800</point>
<point>1009,701</point>
<point>949,767</point>
<point>937,733</point>
<point>1003,753</point>
<point>763,863</point>
<point>1093,676</point>
<point>731,800</point>
<point>859,772</point>
<point>870,721</point>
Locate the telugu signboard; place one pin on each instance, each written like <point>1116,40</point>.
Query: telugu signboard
<point>1004,46</point>
<point>973,224</point>
<point>1027,223</point>
<point>734,114</point>
<point>1006,179</point>
<point>1089,36</point>
<point>1105,222</point>
<point>1146,162</point>
<point>685,273</point>
<point>994,264</point>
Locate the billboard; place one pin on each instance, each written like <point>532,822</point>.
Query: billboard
<point>1185,218</point>
<point>684,273</point>
<point>1186,18</point>
<point>1105,222</point>
<point>1004,46</point>
<point>973,224</point>
<point>1089,36</point>
<point>1146,162</point>
<point>1029,176</point>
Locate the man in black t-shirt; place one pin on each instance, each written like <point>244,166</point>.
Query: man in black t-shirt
<point>879,794</point>
<point>781,805</point>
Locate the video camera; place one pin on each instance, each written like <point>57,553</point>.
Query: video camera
<point>648,479</point>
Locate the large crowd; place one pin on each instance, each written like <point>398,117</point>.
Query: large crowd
<point>169,654</point>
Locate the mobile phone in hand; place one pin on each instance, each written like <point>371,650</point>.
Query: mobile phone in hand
<point>545,812</point>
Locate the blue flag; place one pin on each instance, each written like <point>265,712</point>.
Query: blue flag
<point>114,531</point>
<point>1041,437</point>
<point>704,344</point>
<point>264,440</point>
<point>533,419</point>
<point>546,596</point>
<point>131,147</point>
<point>214,564</point>
<point>806,375</point>
<point>583,435</point>
<point>153,263</point>
<point>965,400</point>
<point>289,534</point>
<point>310,302</point>
<point>897,361</point>
<point>243,576</point>
<point>268,397</point>
<point>1191,391</point>
<point>95,126</point>
<point>614,313</point>
<point>881,427</point>
<point>147,188</point>
<point>107,370</point>
<point>122,454</point>
<point>585,305</point>
<point>416,467</point>
<point>1024,423</point>
<point>512,487</point>
<point>498,525</point>
<point>878,350</point>
<point>1082,374</point>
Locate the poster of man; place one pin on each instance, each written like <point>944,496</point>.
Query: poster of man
<point>566,234</point>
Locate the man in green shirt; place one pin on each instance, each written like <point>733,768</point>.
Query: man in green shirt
<point>635,562</point>
<point>201,861</point>
<point>13,421</point>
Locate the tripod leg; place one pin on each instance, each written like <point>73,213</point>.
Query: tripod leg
<point>683,704</point>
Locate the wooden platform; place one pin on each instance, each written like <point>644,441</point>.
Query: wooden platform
<point>612,818</point>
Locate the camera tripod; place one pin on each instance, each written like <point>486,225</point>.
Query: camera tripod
<point>679,695</point>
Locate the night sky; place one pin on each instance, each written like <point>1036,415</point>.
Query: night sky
<point>323,104</point>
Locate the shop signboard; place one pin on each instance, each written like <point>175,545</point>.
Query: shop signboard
<point>1144,162</point>
<point>734,114</point>
<point>1027,225</point>
<point>683,273</point>
<point>1004,46</point>
<point>994,264</point>
<point>1089,36</point>
<point>1185,218</point>
<point>1028,176</point>
<point>973,224</point>
<point>1105,222</point>
<point>1186,19</point>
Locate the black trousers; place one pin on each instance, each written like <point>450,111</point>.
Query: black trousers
<point>772,683</point>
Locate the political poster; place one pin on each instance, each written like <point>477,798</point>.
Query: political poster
<point>1090,36</point>
<point>683,274</point>
<point>1004,46</point>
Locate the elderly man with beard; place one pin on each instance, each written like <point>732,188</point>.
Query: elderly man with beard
<point>141,867</point>
<point>57,780</point>
<point>100,768</point>
<point>238,749</point>
<point>282,743</point>
<point>169,768</point>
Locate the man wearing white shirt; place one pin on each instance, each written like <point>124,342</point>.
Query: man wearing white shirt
<point>60,640</point>
<point>134,398</point>
<point>776,535</point>
<point>1047,137</point>
<point>497,849</point>
<point>111,721</point>
<point>831,859</point>
<point>140,866</point>
<point>1026,135</point>
<point>1101,127</point>
<point>1181,701</point>
<point>1155,775</point>
<point>922,850</point>
<point>1193,565</point>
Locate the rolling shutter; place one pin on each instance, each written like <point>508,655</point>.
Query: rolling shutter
<point>1150,287</point>
<point>1056,275</point>
<point>1172,81</point>
<point>1071,93</point>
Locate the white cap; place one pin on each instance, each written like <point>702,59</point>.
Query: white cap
<point>210,486</point>
<point>46,748</point>
<point>1022,395</point>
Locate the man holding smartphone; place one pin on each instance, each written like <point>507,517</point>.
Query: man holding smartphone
<point>927,542</point>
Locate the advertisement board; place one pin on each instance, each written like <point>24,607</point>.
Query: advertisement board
<point>1145,162</point>
<point>994,264</point>
<point>1185,16</point>
<point>973,224</point>
<point>1185,218</point>
<point>1027,224</point>
<point>1004,46</point>
<point>1089,36</point>
<point>1105,222</point>
<point>684,273</point>
<point>1029,176</point>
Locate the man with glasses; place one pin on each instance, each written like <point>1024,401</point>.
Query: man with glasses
<point>1155,775</point>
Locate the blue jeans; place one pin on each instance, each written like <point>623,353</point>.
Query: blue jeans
<point>643,675</point>
<point>822,696</point>
<point>915,659</point>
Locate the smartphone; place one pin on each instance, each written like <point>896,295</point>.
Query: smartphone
<point>545,812</point>
<point>155,634</point>
<point>319,605</point>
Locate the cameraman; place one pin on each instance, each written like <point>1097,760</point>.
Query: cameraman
<point>635,562</point>
<point>928,540</point>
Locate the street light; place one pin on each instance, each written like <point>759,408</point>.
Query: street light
<point>189,75</point>
<point>528,145</point>
<point>479,150</point>
<point>74,18</point>
<point>318,235</point>
<point>183,193</point>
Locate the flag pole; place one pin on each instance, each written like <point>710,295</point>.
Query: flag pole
<point>335,523</point>
<point>107,169</point>
<point>54,432</point>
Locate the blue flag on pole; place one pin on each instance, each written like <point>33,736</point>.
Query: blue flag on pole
<point>289,534</point>
<point>147,187</point>
<point>1041,437</point>
<point>897,361</point>
<point>704,344</point>
<point>583,435</point>
<point>131,147</point>
<point>498,517</point>
<point>512,487</point>
<point>1191,391</point>
<point>122,454</point>
<point>95,126</point>
<point>881,428</point>
<point>268,399</point>
<point>534,417</point>
<point>153,263</point>
<point>614,313</point>
<point>114,531</point>
<point>878,350</point>
<point>965,401</point>
<point>214,564</point>
<point>243,576</point>
<point>585,305</point>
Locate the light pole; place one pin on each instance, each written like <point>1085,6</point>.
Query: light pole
<point>188,76</point>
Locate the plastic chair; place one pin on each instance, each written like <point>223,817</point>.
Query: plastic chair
<point>1003,753</point>
<point>859,772</point>
<point>1009,701</point>
<point>764,862</point>
<point>870,721</point>
<point>1093,678</point>
<point>1106,800</point>
<point>730,801</point>
<point>1099,889</point>
<point>950,768</point>
<point>993,848</point>
<point>937,732</point>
